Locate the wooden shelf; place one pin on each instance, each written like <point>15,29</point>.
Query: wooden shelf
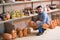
<point>22,2</point>
<point>18,18</point>
<point>55,10</point>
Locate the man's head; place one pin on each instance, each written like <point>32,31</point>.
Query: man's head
<point>39,8</point>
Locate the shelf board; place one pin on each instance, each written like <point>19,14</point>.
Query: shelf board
<point>22,2</point>
<point>1,4</point>
<point>18,18</point>
<point>54,10</point>
<point>18,2</point>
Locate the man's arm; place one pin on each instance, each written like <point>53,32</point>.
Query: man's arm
<point>37,18</point>
<point>44,17</point>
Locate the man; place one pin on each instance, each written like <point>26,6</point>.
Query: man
<point>42,18</point>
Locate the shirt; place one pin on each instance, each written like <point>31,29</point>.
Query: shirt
<point>44,16</point>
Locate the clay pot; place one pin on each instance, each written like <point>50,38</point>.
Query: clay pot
<point>33,25</point>
<point>7,15</point>
<point>20,33</point>
<point>18,29</point>
<point>25,33</point>
<point>55,21</point>
<point>28,31</point>
<point>7,36</point>
<point>58,22</point>
<point>45,26</point>
<point>52,24</point>
<point>14,34</point>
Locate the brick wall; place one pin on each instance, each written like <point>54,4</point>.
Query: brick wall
<point>23,5</point>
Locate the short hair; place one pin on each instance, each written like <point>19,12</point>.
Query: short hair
<point>39,7</point>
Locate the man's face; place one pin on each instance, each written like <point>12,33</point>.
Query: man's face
<point>40,9</point>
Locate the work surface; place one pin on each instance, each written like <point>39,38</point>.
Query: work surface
<point>49,34</point>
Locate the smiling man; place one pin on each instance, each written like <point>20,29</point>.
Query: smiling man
<point>41,18</point>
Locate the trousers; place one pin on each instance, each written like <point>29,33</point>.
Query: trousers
<point>40,28</point>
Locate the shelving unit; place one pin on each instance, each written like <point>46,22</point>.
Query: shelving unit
<point>25,2</point>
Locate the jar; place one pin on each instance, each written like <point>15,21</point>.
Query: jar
<point>25,33</point>
<point>20,33</point>
<point>7,36</point>
<point>14,34</point>
<point>7,15</point>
